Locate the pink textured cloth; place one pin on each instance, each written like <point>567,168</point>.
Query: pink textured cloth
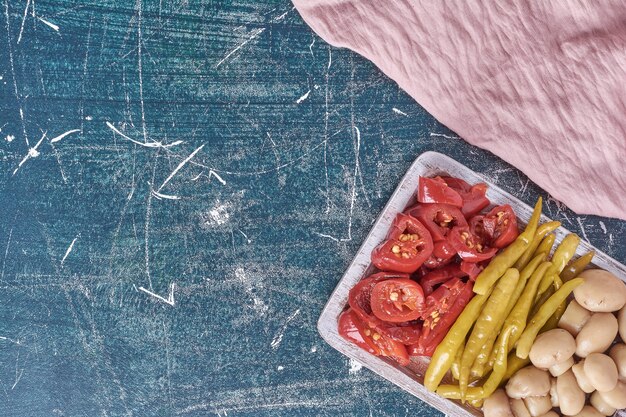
<point>542,84</point>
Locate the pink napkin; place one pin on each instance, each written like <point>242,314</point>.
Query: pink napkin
<point>542,84</point>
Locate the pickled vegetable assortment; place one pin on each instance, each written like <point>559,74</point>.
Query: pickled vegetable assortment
<point>522,332</point>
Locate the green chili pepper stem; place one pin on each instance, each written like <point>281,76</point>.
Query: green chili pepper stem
<point>543,314</point>
<point>575,267</point>
<point>518,316</point>
<point>444,354</point>
<point>542,231</point>
<point>505,259</point>
<point>487,322</point>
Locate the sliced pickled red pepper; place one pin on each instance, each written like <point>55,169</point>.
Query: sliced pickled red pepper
<point>443,307</point>
<point>397,300</point>
<point>439,219</point>
<point>435,190</point>
<point>542,231</point>
<point>500,224</point>
<point>439,276</point>
<point>543,314</point>
<point>474,196</point>
<point>360,301</point>
<point>353,329</point>
<point>509,255</point>
<point>468,246</point>
<point>444,354</point>
<point>407,246</point>
<point>486,323</point>
<point>575,267</point>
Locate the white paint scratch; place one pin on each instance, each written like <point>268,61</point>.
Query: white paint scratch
<point>12,66</point>
<point>8,339</point>
<point>9,138</point>
<point>280,367</point>
<point>303,97</point>
<point>18,372</point>
<point>152,144</point>
<point>216,175</point>
<point>357,150</point>
<point>278,338</point>
<point>245,235</point>
<point>398,111</point>
<point>49,24</point>
<point>63,135</point>
<point>140,68</point>
<point>355,367</point>
<point>211,174</point>
<point>603,226</point>
<point>330,58</point>
<point>241,45</point>
<point>314,349</point>
<point>32,153</point>
<point>178,168</point>
<point>69,249</point>
<point>282,16</point>
<point>170,298</point>
<point>582,228</point>
<point>6,251</point>
<point>444,136</point>
<point>160,196</point>
<point>19,36</point>
<point>311,47</point>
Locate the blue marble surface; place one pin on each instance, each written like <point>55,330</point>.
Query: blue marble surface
<point>137,281</point>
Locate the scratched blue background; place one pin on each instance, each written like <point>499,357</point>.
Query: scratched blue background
<point>199,298</point>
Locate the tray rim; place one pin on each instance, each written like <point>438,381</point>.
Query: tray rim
<point>402,376</point>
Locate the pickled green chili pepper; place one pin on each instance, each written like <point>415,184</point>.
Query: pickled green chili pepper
<point>453,392</point>
<point>455,368</point>
<point>480,363</point>
<point>505,259</point>
<point>541,317</point>
<point>541,298</point>
<point>491,384</point>
<point>545,245</point>
<point>542,231</point>
<point>500,366</point>
<point>575,267</point>
<point>444,354</point>
<point>562,255</point>
<point>518,316</point>
<point>553,321</point>
<point>478,368</point>
<point>514,364</point>
<point>494,309</point>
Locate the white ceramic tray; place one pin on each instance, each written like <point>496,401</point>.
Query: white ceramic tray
<point>411,377</point>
